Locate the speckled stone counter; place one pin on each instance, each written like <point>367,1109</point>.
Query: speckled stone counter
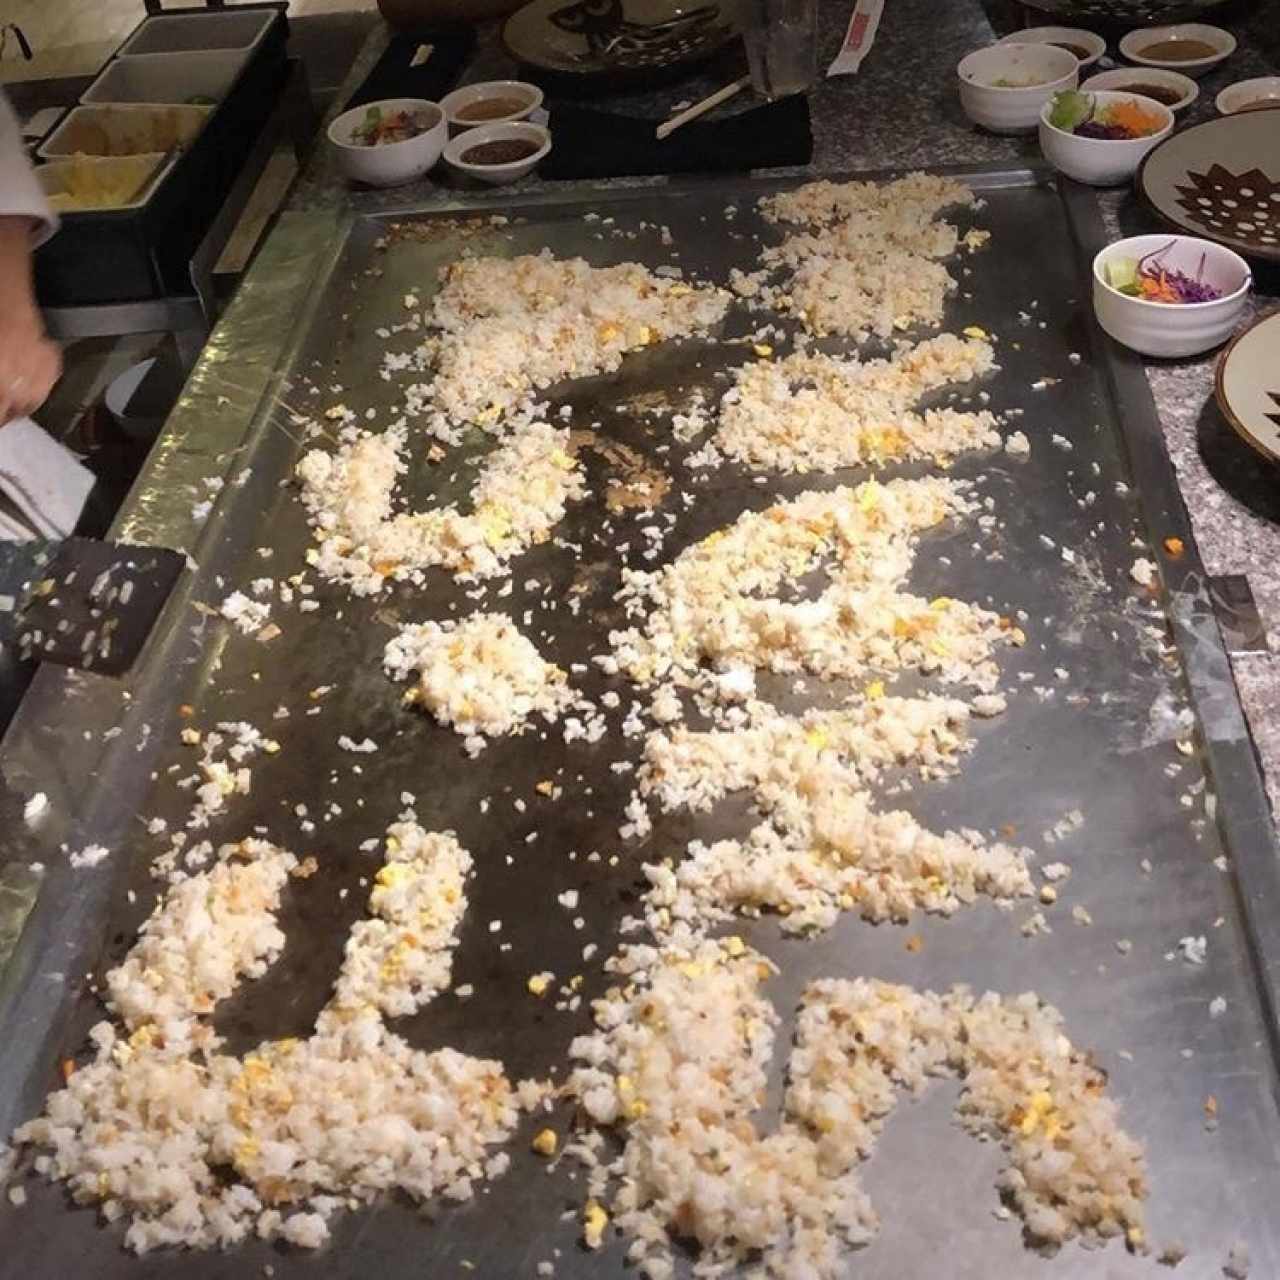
<point>902,110</point>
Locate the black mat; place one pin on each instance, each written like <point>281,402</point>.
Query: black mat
<point>394,77</point>
<point>597,144</point>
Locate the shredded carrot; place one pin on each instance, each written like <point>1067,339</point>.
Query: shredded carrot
<point>1132,117</point>
<point>68,1068</point>
<point>1157,287</point>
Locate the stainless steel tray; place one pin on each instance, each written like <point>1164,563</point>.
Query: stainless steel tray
<point>1103,743</point>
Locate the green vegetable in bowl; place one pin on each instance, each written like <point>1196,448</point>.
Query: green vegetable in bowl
<point>1070,108</point>
<point>1122,275</point>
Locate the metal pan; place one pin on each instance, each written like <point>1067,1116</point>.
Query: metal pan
<point>1101,740</point>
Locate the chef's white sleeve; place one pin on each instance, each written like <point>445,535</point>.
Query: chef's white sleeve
<point>20,191</point>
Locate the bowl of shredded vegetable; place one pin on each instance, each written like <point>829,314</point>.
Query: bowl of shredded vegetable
<point>389,142</point>
<point>1169,295</point>
<point>1101,137</point>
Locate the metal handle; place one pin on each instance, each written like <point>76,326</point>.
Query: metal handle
<point>157,6</point>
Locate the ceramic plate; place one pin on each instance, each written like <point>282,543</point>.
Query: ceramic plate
<point>596,37</point>
<point>1248,385</point>
<point>1133,13</point>
<point>1220,180</point>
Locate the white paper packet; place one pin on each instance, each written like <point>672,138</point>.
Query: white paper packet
<point>44,480</point>
<point>858,39</point>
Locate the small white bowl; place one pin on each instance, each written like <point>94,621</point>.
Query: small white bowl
<point>528,95</point>
<point>1101,162</point>
<point>1062,36</point>
<point>1132,45</point>
<point>1172,329</point>
<point>1235,96</point>
<point>393,162</point>
<point>1007,109</point>
<point>497,174</point>
<point>1124,78</point>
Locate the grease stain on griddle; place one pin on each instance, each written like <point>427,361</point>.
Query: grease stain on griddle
<point>638,485</point>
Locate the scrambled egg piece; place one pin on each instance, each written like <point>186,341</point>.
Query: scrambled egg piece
<point>495,524</point>
<point>1039,1113</point>
<point>393,874</point>
<point>594,1221</point>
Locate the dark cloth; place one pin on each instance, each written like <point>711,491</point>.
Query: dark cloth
<point>393,77</point>
<point>596,144</point>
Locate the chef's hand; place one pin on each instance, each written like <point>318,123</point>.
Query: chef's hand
<point>29,365</point>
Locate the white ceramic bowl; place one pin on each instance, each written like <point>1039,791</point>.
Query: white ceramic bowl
<point>394,162</point>
<point>528,95</point>
<point>1129,78</point>
<point>1168,328</point>
<point>1234,97</point>
<point>497,174</point>
<point>1132,45</point>
<point>1004,109</point>
<point>1101,162</point>
<point>1061,36</point>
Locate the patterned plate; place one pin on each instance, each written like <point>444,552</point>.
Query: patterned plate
<point>1220,180</point>
<point>1248,385</point>
<point>1130,13</point>
<point>597,37</point>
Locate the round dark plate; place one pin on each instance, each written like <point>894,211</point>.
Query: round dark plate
<point>617,37</point>
<point>1220,180</point>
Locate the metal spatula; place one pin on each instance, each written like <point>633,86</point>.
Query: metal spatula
<point>82,603</point>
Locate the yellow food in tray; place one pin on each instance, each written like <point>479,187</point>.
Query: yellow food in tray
<point>98,182</point>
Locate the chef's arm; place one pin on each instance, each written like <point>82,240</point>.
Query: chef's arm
<point>16,289</point>
<point>29,363</point>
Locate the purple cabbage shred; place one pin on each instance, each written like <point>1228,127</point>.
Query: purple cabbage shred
<point>1191,290</point>
<point>1096,129</point>
<point>1187,289</point>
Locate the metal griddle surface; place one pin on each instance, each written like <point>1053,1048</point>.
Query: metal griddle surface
<point>1099,740</point>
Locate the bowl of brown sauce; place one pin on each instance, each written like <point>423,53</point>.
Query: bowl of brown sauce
<point>1083,45</point>
<point>1189,47</point>
<point>1170,88</point>
<point>490,102</point>
<point>498,153</point>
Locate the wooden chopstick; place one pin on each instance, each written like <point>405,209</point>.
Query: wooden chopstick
<point>701,108</point>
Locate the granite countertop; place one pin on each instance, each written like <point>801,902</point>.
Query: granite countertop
<point>902,110</point>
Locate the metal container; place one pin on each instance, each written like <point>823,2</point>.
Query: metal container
<point>167,33</point>
<point>202,77</point>
<point>130,255</point>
